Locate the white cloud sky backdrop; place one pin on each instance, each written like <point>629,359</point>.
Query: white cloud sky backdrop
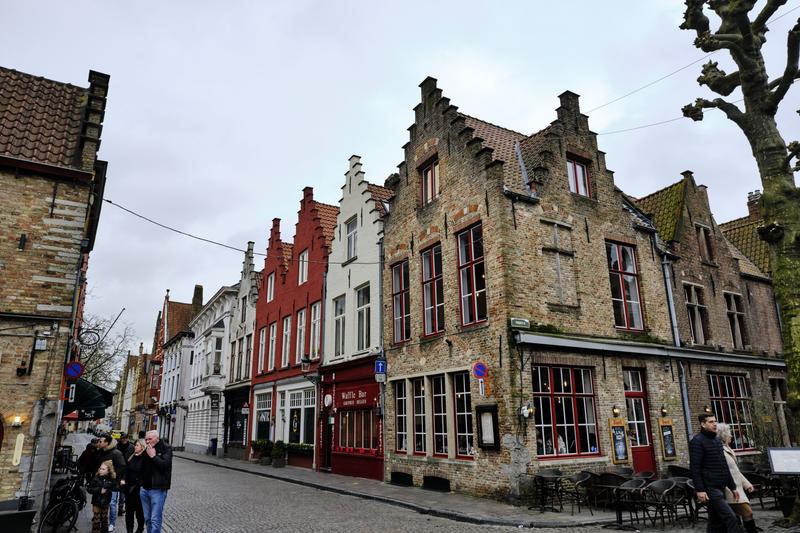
<point>219,113</point>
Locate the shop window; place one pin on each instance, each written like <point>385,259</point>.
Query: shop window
<point>698,313</point>
<point>463,405</point>
<point>472,275</point>
<point>578,175</point>
<point>624,278</point>
<point>432,290</point>
<point>301,416</point>
<point>731,400</point>
<point>358,431</point>
<point>418,389</point>
<point>401,416</point>
<point>309,407</point>
<point>263,415</point>
<point>439,415</point>
<point>733,303</point>
<point>565,415</point>
<point>401,302</point>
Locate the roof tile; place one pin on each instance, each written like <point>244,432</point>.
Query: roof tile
<point>743,233</point>
<point>665,208</point>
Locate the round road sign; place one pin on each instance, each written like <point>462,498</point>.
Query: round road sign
<point>480,370</point>
<point>74,370</point>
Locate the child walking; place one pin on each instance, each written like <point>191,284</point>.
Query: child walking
<point>100,488</point>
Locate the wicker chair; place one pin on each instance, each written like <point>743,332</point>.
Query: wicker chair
<point>658,499</point>
<point>576,490</point>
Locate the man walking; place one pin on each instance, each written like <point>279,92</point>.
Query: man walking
<point>156,478</point>
<point>127,449</point>
<point>108,451</point>
<point>711,475</point>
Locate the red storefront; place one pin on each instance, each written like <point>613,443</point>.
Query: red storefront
<point>351,428</point>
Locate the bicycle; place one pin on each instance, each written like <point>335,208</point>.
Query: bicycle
<point>66,502</point>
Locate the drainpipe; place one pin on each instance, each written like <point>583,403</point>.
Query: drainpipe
<point>382,386</point>
<point>676,340</point>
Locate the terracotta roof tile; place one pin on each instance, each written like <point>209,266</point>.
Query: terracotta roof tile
<point>40,119</point>
<point>380,195</point>
<point>327,218</point>
<point>665,208</point>
<point>287,248</point>
<point>178,317</point>
<point>743,233</point>
<point>501,140</point>
<point>745,265</point>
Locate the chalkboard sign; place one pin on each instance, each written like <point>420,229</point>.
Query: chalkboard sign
<point>667,434</point>
<point>619,440</point>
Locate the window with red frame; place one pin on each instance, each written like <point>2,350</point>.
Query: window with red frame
<point>624,286</point>
<point>430,182</point>
<point>401,416</point>
<point>578,175</point>
<point>731,401</point>
<point>565,415</point>
<point>401,302</point>
<point>439,415</point>
<point>464,435</point>
<point>472,275</point>
<point>432,290</point>
<point>418,391</point>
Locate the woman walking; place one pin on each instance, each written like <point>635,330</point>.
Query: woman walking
<point>100,488</point>
<point>131,484</point>
<point>742,506</point>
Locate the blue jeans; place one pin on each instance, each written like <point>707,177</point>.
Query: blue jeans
<point>117,499</point>
<point>153,507</point>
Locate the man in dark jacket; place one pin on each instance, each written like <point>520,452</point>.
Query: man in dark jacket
<point>127,450</point>
<point>109,452</point>
<point>156,479</point>
<point>711,475</point>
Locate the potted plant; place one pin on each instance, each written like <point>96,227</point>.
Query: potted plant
<point>279,454</point>
<point>255,449</point>
<point>266,452</point>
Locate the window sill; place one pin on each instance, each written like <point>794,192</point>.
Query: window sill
<point>347,262</point>
<point>418,458</point>
<point>584,199</point>
<point>432,337</point>
<point>572,459</point>
<point>475,326</point>
<point>708,263</point>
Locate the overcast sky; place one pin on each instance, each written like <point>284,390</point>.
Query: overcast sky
<point>219,113</point>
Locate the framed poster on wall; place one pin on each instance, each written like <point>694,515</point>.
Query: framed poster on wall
<point>666,432</point>
<point>620,451</point>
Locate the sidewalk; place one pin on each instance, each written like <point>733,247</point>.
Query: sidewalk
<point>442,504</point>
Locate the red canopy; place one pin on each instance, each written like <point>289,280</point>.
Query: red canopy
<point>71,416</point>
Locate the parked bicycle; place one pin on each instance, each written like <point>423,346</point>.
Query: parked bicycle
<point>67,499</point>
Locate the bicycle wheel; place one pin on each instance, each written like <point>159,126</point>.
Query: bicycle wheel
<point>60,518</point>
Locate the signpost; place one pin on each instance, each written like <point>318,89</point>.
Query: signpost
<point>380,370</point>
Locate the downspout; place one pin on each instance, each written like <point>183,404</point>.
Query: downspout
<point>380,321</point>
<point>676,340</point>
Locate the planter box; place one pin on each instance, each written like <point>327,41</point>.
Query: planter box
<point>302,460</point>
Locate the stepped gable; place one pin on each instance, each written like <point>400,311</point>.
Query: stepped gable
<point>381,196</point>
<point>45,121</point>
<point>327,218</point>
<point>179,315</point>
<point>743,234</point>
<point>664,207</point>
<point>503,143</point>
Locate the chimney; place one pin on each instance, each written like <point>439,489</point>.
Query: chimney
<point>569,109</point>
<point>754,204</point>
<point>141,348</point>
<point>197,300</point>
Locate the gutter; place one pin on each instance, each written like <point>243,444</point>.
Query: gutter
<point>631,349</point>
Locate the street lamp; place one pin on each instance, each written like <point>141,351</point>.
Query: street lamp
<point>305,368</point>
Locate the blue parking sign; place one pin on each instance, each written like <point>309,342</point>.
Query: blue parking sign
<point>380,366</point>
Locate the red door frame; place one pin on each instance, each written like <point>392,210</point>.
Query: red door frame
<point>644,458</point>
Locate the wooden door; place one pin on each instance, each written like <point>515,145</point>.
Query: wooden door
<point>638,414</point>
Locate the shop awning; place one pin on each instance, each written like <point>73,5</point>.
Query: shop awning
<point>90,401</point>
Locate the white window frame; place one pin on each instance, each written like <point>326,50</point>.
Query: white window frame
<point>363,319</point>
<point>286,340</point>
<point>351,230</point>
<point>300,342</point>
<point>316,328</point>
<point>273,334</point>
<point>339,323</point>
<point>271,286</point>
<point>302,267</point>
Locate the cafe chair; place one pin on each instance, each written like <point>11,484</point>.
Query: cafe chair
<point>630,495</point>
<point>624,471</point>
<point>658,499</point>
<point>682,497</point>
<point>646,475</point>
<point>697,507</point>
<point>604,486</point>
<point>679,471</point>
<point>576,490</point>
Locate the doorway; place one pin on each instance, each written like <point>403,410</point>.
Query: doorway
<point>638,413</point>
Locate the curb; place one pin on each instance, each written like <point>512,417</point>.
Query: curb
<point>450,515</point>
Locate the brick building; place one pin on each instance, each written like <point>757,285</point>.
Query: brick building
<point>528,321</point>
<point>289,325</point>
<point>52,189</point>
<point>351,437</point>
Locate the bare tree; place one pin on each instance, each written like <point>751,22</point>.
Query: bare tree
<point>103,362</point>
<point>741,32</point>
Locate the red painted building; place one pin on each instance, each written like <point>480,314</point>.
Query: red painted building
<point>288,327</point>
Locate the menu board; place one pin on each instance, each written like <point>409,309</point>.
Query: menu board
<point>619,440</point>
<point>784,460</point>
<point>667,434</point>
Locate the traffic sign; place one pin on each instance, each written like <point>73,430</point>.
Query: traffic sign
<point>380,365</point>
<point>480,370</point>
<point>73,370</point>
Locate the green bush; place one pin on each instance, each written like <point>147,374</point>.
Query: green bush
<point>300,449</point>
<point>279,450</point>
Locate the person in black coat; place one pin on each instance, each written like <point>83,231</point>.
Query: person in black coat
<point>711,475</point>
<point>131,485</point>
<point>156,479</point>
<point>87,462</point>
<point>100,487</point>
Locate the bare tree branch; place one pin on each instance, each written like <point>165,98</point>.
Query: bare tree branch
<point>794,153</point>
<point>694,18</point>
<point>760,23</point>
<point>695,111</point>
<point>102,363</point>
<point>717,80</point>
<point>790,72</point>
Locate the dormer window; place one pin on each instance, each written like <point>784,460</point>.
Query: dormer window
<point>578,175</point>
<point>430,182</point>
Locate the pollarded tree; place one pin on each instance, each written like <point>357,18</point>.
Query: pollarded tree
<point>741,32</point>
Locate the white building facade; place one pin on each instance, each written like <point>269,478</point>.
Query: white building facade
<point>208,368</point>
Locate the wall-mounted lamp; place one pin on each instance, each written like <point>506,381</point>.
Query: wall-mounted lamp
<point>706,409</point>
<point>16,422</point>
<point>526,410</point>
<point>664,411</point>
<point>615,411</point>
<point>305,366</point>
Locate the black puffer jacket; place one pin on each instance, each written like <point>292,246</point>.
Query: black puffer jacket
<point>96,486</point>
<point>707,463</point>
<point>157,471</point>
<point>111,453</point>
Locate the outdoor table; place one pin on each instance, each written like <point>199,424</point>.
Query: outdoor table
<point>618,525</point>
<point>545,482</point>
